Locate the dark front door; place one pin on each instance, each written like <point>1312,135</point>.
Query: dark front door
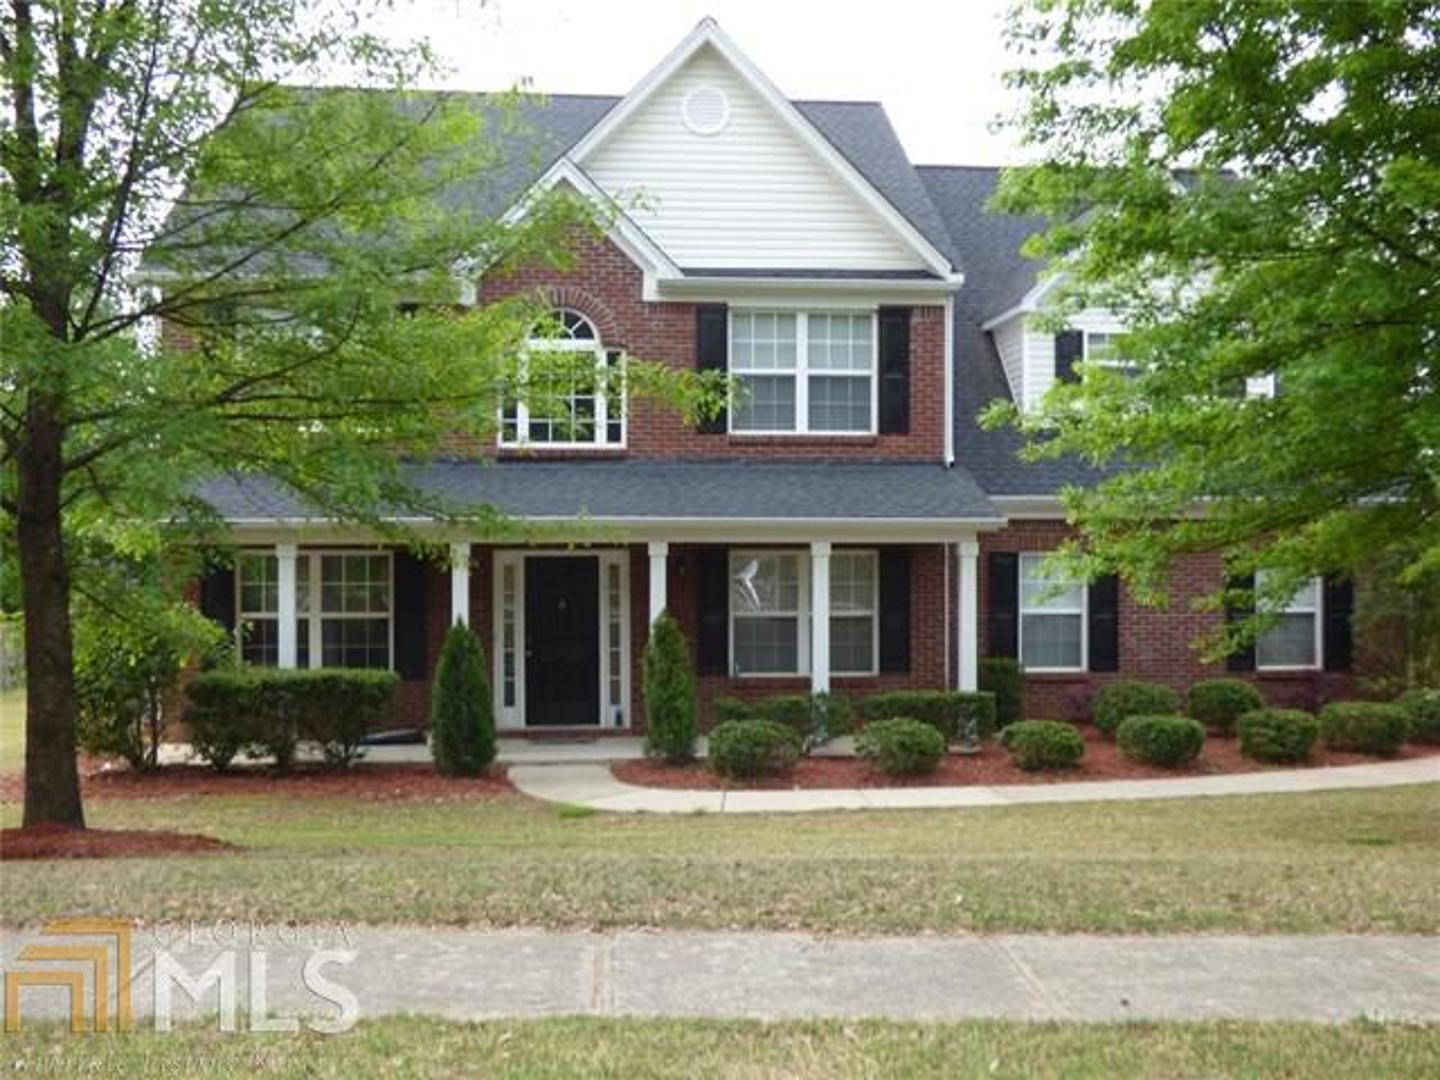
<point>562,641</point>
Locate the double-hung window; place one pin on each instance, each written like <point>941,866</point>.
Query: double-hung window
<point>1293,641</point>
<point>345,623</point>
<point>803,372</point>
<point>570,389</point>
<point>1103,348</point>
<point>1052,618</point>
<point>770,612</point>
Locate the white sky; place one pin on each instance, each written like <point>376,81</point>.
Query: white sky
<point>935,66</point>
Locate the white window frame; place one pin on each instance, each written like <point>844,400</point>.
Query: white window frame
<point>309,607</point>
<point>872,556</point>
<point>804,615</point>
<point>803,371</point>
<point>1115,363</point>
<point>1021,611</point>
<point>577,346</point>
<point>1317,614</point>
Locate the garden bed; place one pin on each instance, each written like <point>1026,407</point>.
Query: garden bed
<point>63,842</point>
<point>395,783</point>
<point>991,766</point>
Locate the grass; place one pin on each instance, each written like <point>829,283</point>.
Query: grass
<point>12,731</point>
<point>407,1047</point>
<point>1266,864</point>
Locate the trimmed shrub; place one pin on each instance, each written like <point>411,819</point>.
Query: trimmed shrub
<point>1117,701</point>
<point>748,748</point>
<point>339,707</point>
<point>1003,677</point>
<point>950,712</point>
<point>1219,703</point>
<point>462,719</point>
<point>1170,741</point>
<point>1036,745</point>
<point>1364,727</point>
<point>670,717</point>
<point>220,714</point>
<point>901,747</point>
<point>1423,707</point>
<point>1277,735</point>
<point>792,710</point>
<point>817,718</point>
<point>729,708</point>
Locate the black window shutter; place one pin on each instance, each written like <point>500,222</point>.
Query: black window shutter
<point>712,595</point>
<point>1244,660</point>
<point>411,588</point>
<point>1104,628</point>
<point>895,609</point>
<point>894,334</point>
<point>217,596</point>
<point>1339,604</point>
<point>1004,589</point>
<point>712,352</point>
<point>1069,350</point>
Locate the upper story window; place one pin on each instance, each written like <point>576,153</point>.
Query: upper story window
<point>1103,349</point>
<point>1052,618</point>
<point>571,389</point>
<point>803,372</point>
<point>1293,641</point>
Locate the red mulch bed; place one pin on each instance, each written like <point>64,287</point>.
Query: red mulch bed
<point>1102,761</point>
<point>383,783</point>
<point>63,842</point>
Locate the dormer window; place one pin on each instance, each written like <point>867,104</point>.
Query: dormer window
<point>570,391</point>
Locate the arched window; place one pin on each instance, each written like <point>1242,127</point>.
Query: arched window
<point>571,389</point>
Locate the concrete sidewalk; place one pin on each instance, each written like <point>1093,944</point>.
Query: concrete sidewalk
<point>468,974</point>
<point>593,785</point>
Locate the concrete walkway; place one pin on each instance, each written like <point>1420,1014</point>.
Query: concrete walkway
<point>593,785</point>
<point>467,974</point>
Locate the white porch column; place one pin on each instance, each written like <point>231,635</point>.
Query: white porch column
<point>288,647</point>
<point>659,563</point>
<point>460,583</point>
<point>820,616</point>
<point>968,611</point>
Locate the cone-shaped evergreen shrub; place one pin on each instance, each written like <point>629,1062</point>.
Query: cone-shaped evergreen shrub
<point>670,725</point>
<point>462,723</point>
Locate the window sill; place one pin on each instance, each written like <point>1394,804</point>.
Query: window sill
<point>1059,674</point>
<point>741,438</point>
<point>1287,672</point>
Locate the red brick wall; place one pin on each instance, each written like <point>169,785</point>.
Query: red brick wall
<point>1155,645</point>
<point>606,286</point>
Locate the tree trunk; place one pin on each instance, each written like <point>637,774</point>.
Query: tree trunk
<point>52,782</point>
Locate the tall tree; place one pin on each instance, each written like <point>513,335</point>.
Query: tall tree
<point>1256,186</point>
<point>207,267</point>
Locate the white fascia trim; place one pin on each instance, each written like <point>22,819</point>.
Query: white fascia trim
<point>628,236</point>
<point>1028,303</point>
<point>801,291</point>
<point>1020,507</point>
<point>708,32</point>
<point>950,380</point>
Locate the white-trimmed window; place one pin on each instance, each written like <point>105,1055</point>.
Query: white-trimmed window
<point>345,623</point>
<point>1293,641</point>
<point>770,612</point>
<point>571,389</point>
<point>803,372</point>
<point>1102,347</point>
<point>1052,617</point>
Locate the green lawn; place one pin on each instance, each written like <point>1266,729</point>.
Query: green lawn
<point>1364,861</point>
<point>635,1048</point>
<point>12,731</point>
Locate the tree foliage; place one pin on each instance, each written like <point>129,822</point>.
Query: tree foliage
<point>669,680</point>
<point>462,716</point>
<point>1256,187</point>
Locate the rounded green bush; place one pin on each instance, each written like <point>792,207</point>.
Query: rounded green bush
<point>1036,745</point>
<point>1005,678</point>
<point>1170,741</point>
<point>1277,735</point>
<point>748,748</point>
<point>1364,727</point>
<point>1116,701</point>
<point>1423,707</point>
<point>1219,703</point>
<point>901,747</point>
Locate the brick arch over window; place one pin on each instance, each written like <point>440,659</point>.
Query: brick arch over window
<point>592,307</point>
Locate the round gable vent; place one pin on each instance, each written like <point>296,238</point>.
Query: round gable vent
<point>706,110</point>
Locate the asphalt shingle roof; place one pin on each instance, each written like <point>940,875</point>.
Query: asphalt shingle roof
<point>639,489</point>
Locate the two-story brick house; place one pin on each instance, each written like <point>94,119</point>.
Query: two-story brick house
<point>845,526</point>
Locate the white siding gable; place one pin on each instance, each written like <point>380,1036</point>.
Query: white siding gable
<point>1028,354</point>
<point>751,195</point>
